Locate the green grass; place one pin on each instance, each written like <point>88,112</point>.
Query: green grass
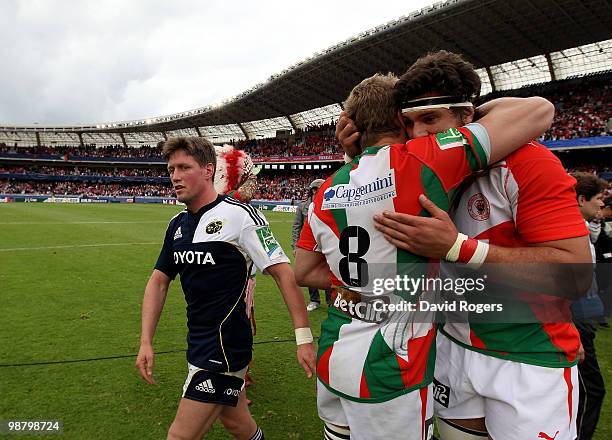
<point>70,303</point>
<point>69,300</point>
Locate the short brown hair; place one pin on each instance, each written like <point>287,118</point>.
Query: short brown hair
<point>371,107</point>
<point>200,148</point>
<point>588,185</point>
<point>444,72</point>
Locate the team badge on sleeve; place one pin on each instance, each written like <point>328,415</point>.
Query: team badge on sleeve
<point>267,240</point>
<point>450,138</point>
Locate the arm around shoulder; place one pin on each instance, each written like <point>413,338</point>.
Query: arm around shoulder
<point>513,122</point>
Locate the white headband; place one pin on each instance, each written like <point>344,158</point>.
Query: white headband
<point>431,102</point>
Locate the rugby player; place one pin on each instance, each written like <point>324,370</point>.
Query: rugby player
<point>213,244</point>
<point>375,372</point>
<point>506,381</point>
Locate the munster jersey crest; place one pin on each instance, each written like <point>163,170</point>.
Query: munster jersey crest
<point>214,226</point>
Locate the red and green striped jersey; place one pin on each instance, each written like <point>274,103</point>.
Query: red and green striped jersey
<point>365,355</point>
<point>526,199</point>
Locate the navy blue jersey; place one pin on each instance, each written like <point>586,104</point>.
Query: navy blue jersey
<point>214,251</point>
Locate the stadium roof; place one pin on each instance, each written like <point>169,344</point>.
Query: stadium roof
<point>512,43</point>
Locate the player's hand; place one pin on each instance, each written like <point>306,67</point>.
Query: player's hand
<point>144,362</point>
<point>430,237</point>
<point>348,135</point>
<point>581,354</point>
<point>307,358</point>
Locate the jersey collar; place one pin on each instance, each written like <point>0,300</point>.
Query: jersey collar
<point>208,207</point>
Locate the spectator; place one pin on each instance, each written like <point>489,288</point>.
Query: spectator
<point>589,193</point>
<point>300,218</point>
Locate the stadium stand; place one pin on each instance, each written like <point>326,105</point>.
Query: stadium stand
<point>110,151</point>
<point>43,170</point>
<point>292,140</point>
<point>583,105</point>
<point>312,145</point>
<point>287,185</point>
<point>82,189</point>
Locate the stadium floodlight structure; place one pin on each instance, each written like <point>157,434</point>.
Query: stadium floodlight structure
<point>512,44</point>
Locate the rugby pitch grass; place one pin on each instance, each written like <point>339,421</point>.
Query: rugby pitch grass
<point>71,285</point>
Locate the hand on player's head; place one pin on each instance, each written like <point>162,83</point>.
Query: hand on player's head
<point>348,135</point>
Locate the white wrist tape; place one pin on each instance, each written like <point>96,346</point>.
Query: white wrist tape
<point>453,253</point>
<point>303,335</point>
<point>468,250</point>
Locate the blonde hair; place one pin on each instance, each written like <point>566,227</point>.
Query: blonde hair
<point>371,106</point>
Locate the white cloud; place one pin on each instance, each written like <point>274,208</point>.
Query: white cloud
<point>108,60</point>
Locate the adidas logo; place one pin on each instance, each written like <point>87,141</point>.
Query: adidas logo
<point>206,387</point>
<point>178,233</point>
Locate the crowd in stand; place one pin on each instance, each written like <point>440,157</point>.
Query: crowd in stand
<point>583,106</point>
<point>582,113</point>
<point>312,145</point>
<point>320,144</point>
<point>85,189</point>
<point>584,109</point>
<point>86,171</point>
<point>318,127</point>
<point>266,147</point>
<point>272,185</point>
<point>86,151</point>
<point>287,185</point>
<point>283,185</point>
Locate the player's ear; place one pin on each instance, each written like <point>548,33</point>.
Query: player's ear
<point>581,200</point>
<point>209,171</point>
<point>468,115</point>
